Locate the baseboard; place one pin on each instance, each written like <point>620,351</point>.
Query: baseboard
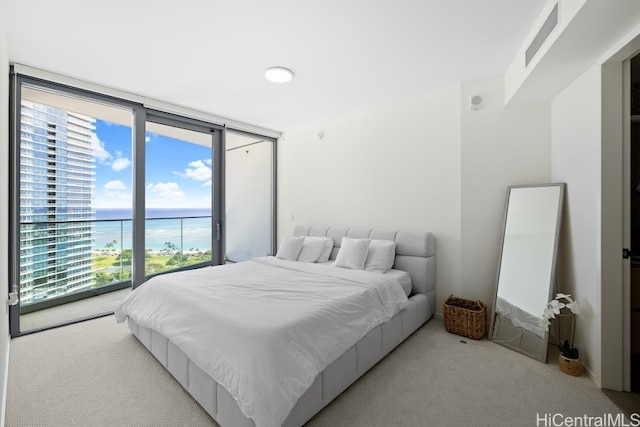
<point>591,375</point>
<point>5,385</point>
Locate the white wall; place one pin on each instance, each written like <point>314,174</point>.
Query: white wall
<point>428,163</point>
<point>575,159</point>
<point>4,221</point>
<point>396,166</point>
<point>500,147</point>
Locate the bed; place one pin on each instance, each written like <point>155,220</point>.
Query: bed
<point>359,318</point>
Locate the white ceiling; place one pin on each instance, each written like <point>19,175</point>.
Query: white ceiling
<point>210,55</point>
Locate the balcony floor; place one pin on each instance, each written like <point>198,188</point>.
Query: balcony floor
<point>72,311</point>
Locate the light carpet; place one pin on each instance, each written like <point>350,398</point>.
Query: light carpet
<point>96,373</point>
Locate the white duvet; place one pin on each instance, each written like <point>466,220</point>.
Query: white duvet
<point>265,328</point>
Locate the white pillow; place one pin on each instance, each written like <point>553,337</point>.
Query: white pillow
<point>313,249</point>
<point>352,253</point>
<point>381,255</point>
<point>290,248</point>
<point>326,253</point>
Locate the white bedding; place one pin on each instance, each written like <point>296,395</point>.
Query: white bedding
<point>265,327</point>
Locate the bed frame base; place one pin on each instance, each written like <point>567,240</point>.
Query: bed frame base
<point>336,378</point>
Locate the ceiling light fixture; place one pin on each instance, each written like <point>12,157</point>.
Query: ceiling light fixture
<point>278,74</point>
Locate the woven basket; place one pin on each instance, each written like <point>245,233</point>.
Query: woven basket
<point>465,317</point>
<point>570,366</point>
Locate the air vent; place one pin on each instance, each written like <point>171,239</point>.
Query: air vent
<point>543,34</point>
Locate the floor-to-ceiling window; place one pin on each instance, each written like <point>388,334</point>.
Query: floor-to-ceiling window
<point>71,157</point>
<point>106,193</point>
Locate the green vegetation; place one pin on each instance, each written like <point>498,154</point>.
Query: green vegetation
<point>103,261</point>
<point>112,266</point>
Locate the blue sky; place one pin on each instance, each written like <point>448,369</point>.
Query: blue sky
<point>178,173</point>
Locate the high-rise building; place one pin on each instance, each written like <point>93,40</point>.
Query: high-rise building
<point>57,174</point>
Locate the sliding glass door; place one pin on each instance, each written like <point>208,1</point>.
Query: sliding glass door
<point>105,193</point>
<point>179,206</point>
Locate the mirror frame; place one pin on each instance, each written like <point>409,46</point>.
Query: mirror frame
<point>528,345</point>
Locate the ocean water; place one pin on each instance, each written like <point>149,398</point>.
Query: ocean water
<point>187,229</point>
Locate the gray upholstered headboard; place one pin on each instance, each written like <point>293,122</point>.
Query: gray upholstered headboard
<point>415,252</point>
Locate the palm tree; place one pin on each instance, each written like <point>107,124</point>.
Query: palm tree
<point>111,245</point>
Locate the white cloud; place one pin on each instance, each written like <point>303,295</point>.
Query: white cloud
<point>167,190</point>
<point>208,161</point>
<point>99,152</point>
<point>207,184</point>
<point>197,171</point>
<point>120,163</point>
<point>116,188</point>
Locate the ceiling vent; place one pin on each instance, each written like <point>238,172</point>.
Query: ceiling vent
<point>549,24</point>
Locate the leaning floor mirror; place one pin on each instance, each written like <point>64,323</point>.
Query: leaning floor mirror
<point>527,266</point>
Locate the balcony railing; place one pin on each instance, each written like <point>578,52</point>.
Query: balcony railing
<point>104,247</point>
